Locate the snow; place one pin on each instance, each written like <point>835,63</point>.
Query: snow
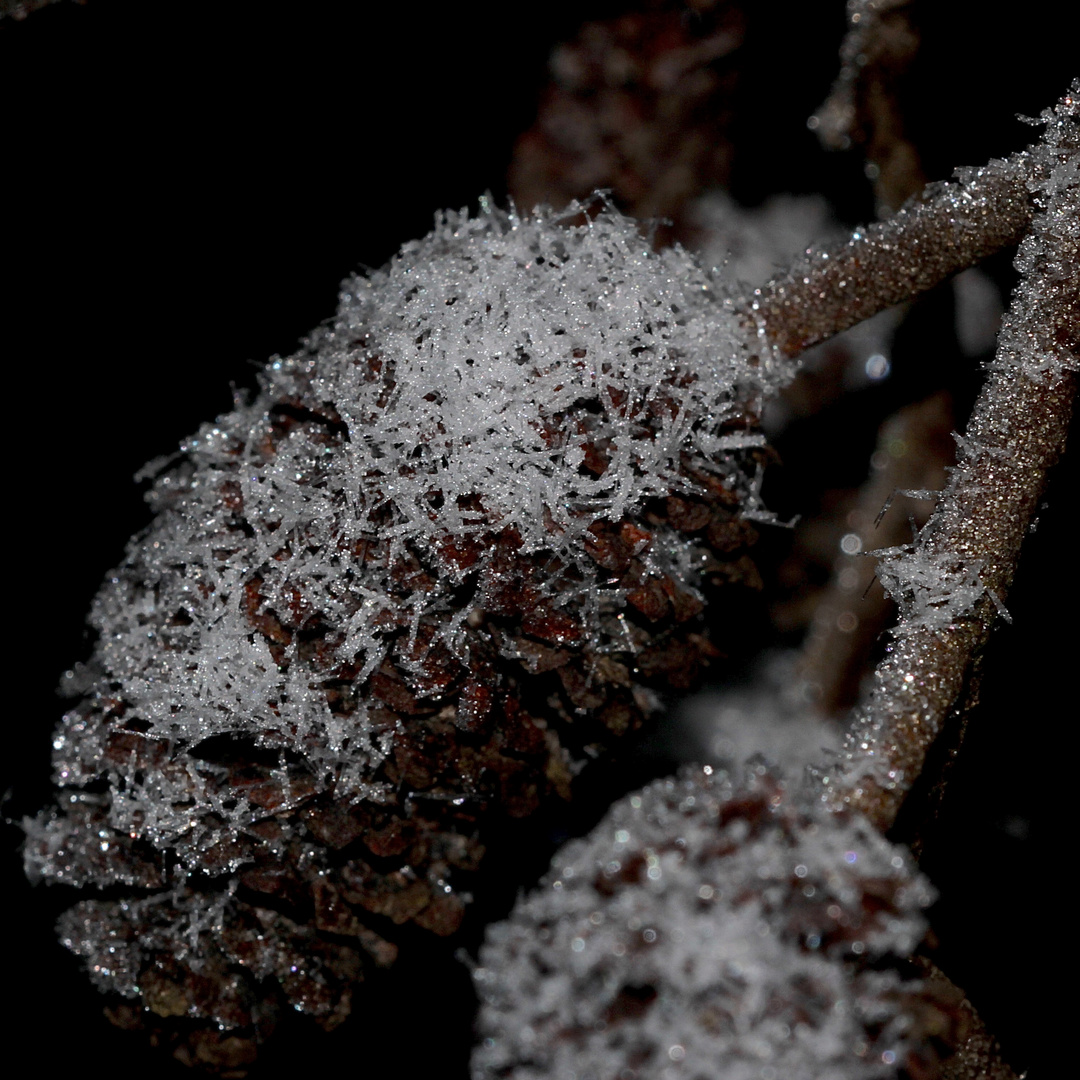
<point>933,591</point>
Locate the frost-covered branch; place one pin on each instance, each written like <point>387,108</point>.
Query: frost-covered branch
<point>954,226</point>
<point>1016,433</point>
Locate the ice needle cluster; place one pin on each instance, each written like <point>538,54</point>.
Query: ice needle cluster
<point>503,348</point>
<point>933,591</point>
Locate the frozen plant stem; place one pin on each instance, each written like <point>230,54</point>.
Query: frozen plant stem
<point>1015,435</point>
<point>954,226</point>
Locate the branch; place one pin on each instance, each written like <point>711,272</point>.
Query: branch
<point>850,616</point>
<point>954,226</point>
<point>951,582</point>
<point>865,106</point>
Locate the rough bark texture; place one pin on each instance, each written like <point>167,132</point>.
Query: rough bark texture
<point>1016,434</point>
<point>954,226</point>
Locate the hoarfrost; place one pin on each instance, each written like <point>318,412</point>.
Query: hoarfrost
<point>709,925</point>
<point>472,372</point>
<point>933,591</point>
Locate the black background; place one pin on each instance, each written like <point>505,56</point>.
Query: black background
<point>183,188</point>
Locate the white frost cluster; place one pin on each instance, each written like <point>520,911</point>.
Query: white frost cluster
<point>933,591</point>
<point>706,928</point>
<point>503,345</point>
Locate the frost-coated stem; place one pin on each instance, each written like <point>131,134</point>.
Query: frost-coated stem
<point>952,227</point>
<point>984,515</point>
<point>951,583</point>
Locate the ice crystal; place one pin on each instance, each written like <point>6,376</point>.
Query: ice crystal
<point>933,591</point>
<point>707,926</point>
<point>502,346</point>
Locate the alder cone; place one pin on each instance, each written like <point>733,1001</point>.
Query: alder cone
<point>639,105</point>
<point>314,894</point>
<point>390,604</point>
<point>724,912</point>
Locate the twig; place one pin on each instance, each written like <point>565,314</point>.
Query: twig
<point>1016,433</point>
<point>865,106</point>
<point>954,226</point>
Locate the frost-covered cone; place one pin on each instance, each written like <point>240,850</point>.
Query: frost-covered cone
<point>713,927</point>
<point>456,541</point>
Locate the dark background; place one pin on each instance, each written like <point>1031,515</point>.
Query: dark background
<point>183,188</point>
